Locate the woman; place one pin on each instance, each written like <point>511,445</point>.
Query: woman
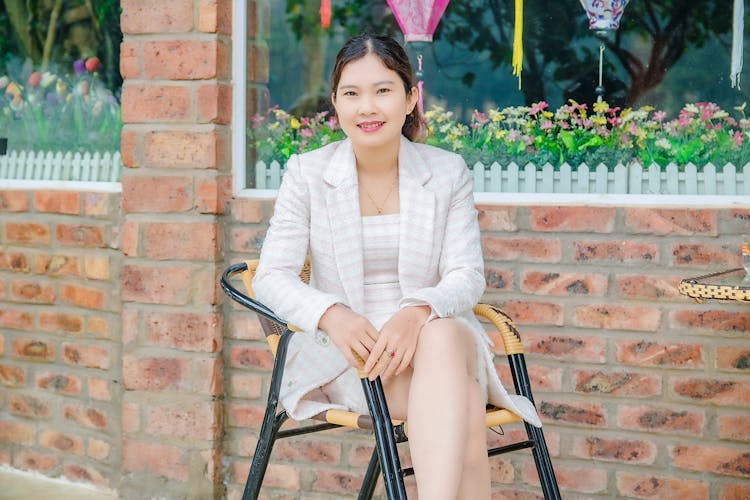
<point>393,239</point>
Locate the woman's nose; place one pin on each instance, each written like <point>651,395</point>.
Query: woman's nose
<point>366,104</point>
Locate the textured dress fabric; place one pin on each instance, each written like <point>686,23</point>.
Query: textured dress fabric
<point>439,263</point>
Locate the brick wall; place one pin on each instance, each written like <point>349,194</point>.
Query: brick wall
<point>60,334</point>
<point>644,393</point>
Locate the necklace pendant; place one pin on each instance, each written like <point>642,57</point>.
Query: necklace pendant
<point>380,211</point>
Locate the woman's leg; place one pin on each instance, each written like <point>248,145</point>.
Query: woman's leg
<point>445,414</point>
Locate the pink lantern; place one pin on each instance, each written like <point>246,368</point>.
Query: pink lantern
<point>604,14</point>
<point>418,20</point>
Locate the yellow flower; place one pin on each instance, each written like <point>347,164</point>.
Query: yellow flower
<point>601,107</point>
<point>496,116</point>
<point>599,120</point>
<point>294,123</point>
<point>547,114</point>
<point>499,134</point>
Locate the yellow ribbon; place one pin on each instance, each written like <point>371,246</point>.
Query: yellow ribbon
<point>517,60</point>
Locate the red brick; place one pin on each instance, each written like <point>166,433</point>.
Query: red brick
<point>61,323</point>
<point>614,450</point>
<point>98,449</point>
<point>192,419</point>
<point>33,349</point>
<point>677,222</point>
<point>652,486</point>
<point>184,59</point>
<point>245,327</point>
<point>732,358</point>
<point>703,254</point>
<point>250,356</point>
<point>215,16</point>
<point>498,279</point>
<point>246,239</point>
<point>613,317</point>
<point>501,471</point>
<point>716,459</point>
<point>33,460</point>
<point>97,267</point>
<point>167,16</point>
<point>181,149</point>
<point>14,261</point>
<point>130,149</point>
<point>155,458</point>
<point>156,285</point>
<point>154,374</point>
<point>58,265</point>
<point>130,62</point>
<point>247,386</point>
<point>12,376</point>
<point>629,251</point>
<point>14,201</point>
<point>16,432</point>
<point>67,443</point>
<point>647,287</point>
<point>650,419</point>
<point>181,240</point>
<point>735,491</point>
<point>88,417</point>
<point>80,235</point>
<point>212,193</point>
<point>215,104</point>
<point>185,331</point>
<point>90,356</point>
<point>564,284</point>
<point>544,378</point>
<point>706,320</point>
<point>577,219</point>
<point>647,353</point>
<point>736,427</point>
<point>25,405</point>
<point>335,481</point>
<point>130,417</point>
<point>538,313</point>
<point>156,194</point>
<point>27,232</point>
<point>244,415</point>
<point>60,383</point>
<point>99,389</point>
<point>587,349</point>
<point>30,291</point>
<point>63,202</point>
<point>579,479</point>
<point>82,296</point>
<point>248,211</point>
<point>156,103</point>
<point>720,392</point>
<point>85,473</point>
<point>575,413</point>
<point>129,238</point>
<point>521,249</point>
<point>617,383</point>
<point>494,218</point>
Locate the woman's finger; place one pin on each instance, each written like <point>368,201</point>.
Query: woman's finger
<point>405,360</point>
<point>394,363</point>
<point>379,367</point>
<point>375,354</point>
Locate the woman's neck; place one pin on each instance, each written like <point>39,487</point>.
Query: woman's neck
<point>377,160</point>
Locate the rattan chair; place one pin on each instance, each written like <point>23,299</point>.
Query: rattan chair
<point>387,432</point>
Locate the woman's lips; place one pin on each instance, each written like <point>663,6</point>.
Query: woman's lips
<point>370,126</point>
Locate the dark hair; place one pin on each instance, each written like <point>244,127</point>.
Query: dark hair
<point>394,58</point>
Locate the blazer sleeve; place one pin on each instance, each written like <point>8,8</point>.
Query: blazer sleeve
<point>277,283</point>
<point>461,265</point>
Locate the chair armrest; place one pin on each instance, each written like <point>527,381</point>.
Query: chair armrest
<point>242,298</point>
<point>504,325</point>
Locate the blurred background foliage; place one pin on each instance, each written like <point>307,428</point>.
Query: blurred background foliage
<point>666,53</point>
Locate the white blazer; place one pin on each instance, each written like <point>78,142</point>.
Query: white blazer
<point>440,260</point>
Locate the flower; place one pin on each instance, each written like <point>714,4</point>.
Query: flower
<point>92,64</point>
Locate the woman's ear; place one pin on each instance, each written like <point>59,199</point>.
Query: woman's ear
<point>411,99</point>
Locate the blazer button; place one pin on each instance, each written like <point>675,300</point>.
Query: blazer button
<point>321,338</point>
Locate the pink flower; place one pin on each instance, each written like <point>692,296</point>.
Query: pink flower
<point>546,125</point>
<point>333,123</point>
<point>737,138</point>
<point>684,118</point>
<point>479,118</point>
<point>305,132</point>
<point>564,125</point>
<point>35,78</point>
<point>513,135</point>
<point>537,107</point>
<point>659,116</point>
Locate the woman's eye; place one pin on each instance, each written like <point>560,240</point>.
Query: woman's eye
<point>350,93</point>
<point>383,90</point>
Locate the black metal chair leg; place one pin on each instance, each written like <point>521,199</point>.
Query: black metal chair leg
<point>371,477</point>
<point>385,441</point>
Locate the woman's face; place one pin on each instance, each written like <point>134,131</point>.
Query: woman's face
<point>371,102</point>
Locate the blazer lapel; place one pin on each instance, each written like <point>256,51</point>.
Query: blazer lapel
<point>417,227</point>
<point>342,200</point>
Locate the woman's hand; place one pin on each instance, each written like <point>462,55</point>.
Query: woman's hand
<point>352,333</point>
<point>394,349</point>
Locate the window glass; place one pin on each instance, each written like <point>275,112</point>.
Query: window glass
<point>665,54</point>
<point>60,89</point>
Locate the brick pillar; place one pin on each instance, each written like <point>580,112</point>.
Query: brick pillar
<point>176,109</point>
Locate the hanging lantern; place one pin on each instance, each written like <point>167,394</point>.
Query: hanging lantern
<point>604,14</point>
<point>418,20</point>
<point>325,13</point>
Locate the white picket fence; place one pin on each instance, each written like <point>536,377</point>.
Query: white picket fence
<point>623,179</point>
<point>68,166</point>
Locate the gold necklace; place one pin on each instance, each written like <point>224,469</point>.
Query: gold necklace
<point>379,208</point>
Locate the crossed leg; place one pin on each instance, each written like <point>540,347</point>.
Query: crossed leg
<point>445,410</point>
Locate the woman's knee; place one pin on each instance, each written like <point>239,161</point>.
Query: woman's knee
<point>444,337</point>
